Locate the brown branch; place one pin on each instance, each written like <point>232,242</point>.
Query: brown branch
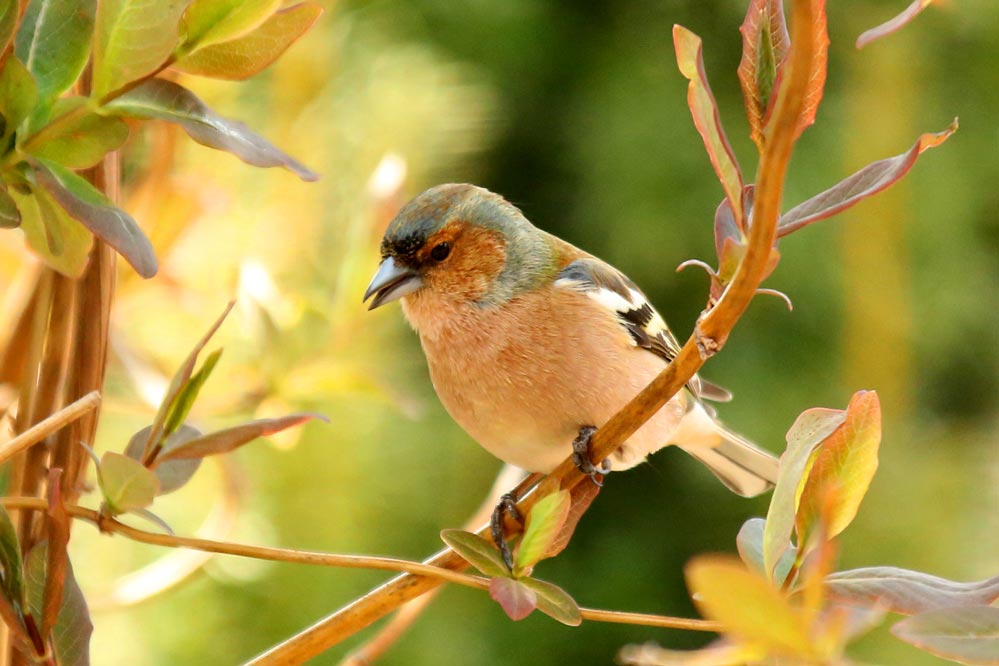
<point>47,426</point>
<point>709,336</point>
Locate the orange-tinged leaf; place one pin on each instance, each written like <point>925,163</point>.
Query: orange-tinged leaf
<point>843,469</point>
<point>893,25</point>
<point>207,22</point>
<point>747,605</point>
<point>583,495</point>
<point>819,36</point>
<point>867,182</point>
<point>765,43</point>
<point>809,430</point>
<point>544,523</point>
<point>243,57</point>
<point>705,113</point>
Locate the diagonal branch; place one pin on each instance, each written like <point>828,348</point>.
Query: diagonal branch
<point>709,336</point>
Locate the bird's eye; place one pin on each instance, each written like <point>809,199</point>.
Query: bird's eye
<point>440,251</point>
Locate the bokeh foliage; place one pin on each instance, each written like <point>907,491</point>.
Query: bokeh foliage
<point>574,110</point>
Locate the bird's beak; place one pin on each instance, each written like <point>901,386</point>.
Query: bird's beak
<point>391,282</point>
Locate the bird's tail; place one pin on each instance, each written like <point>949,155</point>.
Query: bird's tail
<point>743,467</point>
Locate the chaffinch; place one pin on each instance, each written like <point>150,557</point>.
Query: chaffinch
<point>530,341</point>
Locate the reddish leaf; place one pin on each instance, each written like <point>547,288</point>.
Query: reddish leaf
<point>842,470</point>
<point>868,181</point>
<point>907,592</point>
<point>475,550</point>
<point>243,57</point>
<point>57,527</point>
<point>819,36</point>
<point>705,113</point>
<point>765,44</point>
<point>747,605</point>
<point>894,24</point>
<point>516,598</point>
<point>810,429</point>
<point>965,634</point>
<point>544,523</point>
<point>555,602</point>
<point>229,439</point>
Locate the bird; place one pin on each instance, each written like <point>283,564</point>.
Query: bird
<point>532,343</point>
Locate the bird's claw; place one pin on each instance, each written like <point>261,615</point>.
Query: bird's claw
<point>581,457</point>
<point>507,505</point>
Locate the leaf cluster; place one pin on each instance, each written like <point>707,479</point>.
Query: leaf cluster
<point>56,120</point>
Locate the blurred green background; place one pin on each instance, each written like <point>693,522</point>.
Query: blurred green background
<point>576,112</point>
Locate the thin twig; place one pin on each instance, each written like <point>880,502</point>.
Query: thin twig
<point>46,427</point>
<point>111,525</point>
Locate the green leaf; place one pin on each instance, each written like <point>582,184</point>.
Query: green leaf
<point>242,58</point>
<point>808,431</point>
<point>181,407</point>
<point>475,550</point>
<point>126,484</point>
<point>208,22</point>
<point>750,545</point>
<point>73,627</point>
<point>907,592</point>
<point>165,100</point>
<point>18,94</point>
<point>555,602</point>
<point>8,21</point>
<point>224,441</point>
<point>78,138</point>
<point>10,216</point>
<point>10,559</point>
<point>517,599</point>
<point>54,42</point>
<point>87,205</point>
<point>705,113</point>
<point>134,38</point>
<point>747,605</point>
<point>543,524</point>
<point>62,242</point>
<point>965,634</point>
<point>842,470</point>
<point>867,182</point>
<point>172,474</point>
<point>177,384</point>
<point>765,44</point>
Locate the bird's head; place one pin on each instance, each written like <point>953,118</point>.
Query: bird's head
<point>461,243</point>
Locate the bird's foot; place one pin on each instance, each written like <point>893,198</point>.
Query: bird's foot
<point>581,456</point>
<point>507,505</point>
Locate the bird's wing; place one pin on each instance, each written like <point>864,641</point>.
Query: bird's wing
<point>613,290</point>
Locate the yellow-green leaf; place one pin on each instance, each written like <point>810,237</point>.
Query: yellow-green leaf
<point>208,22</point>
<point>79,139</point>
<point>62,242</point>
<point>10,216</point>
<point>133,39</point>
<point>555,602</point>
<point>8,21</point>
<point>543,524</point>
<point>749,607</point>
<point>243,57</point>
<point>126,484</point>
<point>475,550</point>
<point>18,93</point>
<point>843,469</point>
<point>809,430</point>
